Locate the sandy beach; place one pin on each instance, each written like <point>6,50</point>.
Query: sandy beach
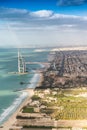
<point>12,119</point>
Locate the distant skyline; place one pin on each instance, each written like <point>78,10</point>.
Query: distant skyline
<point>26,23</point>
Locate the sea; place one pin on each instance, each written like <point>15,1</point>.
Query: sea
<point>11,95</point>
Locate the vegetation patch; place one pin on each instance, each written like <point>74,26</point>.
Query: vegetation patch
<point>45,127</point>
<point>28,110</point>
<point>47,111</point>
<point>68,105</point>
<point>21,117</point>
<point>35,97</point>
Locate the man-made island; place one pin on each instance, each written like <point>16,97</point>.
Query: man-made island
<point>59,101</point>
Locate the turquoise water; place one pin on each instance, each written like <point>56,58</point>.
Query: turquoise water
<point>10,98</point>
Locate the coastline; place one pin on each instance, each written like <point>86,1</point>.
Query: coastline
<point>12,119</point>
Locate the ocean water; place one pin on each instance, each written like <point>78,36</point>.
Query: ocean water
<point>10,98</point>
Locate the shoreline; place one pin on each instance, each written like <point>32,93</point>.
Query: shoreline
<point>12,119</point>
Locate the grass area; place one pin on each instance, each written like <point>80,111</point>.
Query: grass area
<point>67,107</point>
<point>35,97</point>
<point>47,111</point>
<point>72,108</point>
<point>28,110</point>
<point>72,114</point>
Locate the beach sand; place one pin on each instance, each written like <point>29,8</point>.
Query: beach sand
<point>10,123</point>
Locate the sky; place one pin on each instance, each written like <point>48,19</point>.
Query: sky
<point>43,23</point>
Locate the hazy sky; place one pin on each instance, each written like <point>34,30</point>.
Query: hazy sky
<point>26,23</point>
